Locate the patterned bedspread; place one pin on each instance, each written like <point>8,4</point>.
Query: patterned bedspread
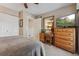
<point>20,46</point>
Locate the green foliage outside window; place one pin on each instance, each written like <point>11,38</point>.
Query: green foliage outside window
<point>64,22</point>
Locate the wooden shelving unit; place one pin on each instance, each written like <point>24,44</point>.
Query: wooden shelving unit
<point>48,26</point>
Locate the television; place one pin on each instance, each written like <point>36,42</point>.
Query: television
<point>67,21</point>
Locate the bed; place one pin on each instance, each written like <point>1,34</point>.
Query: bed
<point>20,46</point>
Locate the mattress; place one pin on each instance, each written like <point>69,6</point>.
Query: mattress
<point>20,46</point>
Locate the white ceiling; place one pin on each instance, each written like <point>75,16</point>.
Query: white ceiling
<point>34,9</point>
<point>44,7</point>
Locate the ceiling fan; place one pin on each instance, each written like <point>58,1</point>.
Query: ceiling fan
<point>26,6</point>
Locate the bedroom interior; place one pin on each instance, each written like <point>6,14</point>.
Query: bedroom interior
<point>39,29</point>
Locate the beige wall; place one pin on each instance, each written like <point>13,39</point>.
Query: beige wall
<point>25,24</point>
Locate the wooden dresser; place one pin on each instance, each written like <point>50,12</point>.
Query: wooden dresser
<point>65,38</point>
<point>42,37</point>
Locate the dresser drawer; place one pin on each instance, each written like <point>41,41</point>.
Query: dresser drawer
<point>64,34</point>
<point>64,38</point>
<point>68,30</point>
<point>64,42</point>
<point>66,47</point>
<point>65,30</point>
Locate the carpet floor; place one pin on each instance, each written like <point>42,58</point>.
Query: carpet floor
<point>51,50</point>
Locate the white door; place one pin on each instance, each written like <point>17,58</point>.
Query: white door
<point>35,28</point>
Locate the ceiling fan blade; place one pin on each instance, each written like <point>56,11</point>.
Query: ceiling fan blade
<point>25,5</point>
<point>36,3</point>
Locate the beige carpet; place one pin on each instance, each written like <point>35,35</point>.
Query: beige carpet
<point>51,50</point>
